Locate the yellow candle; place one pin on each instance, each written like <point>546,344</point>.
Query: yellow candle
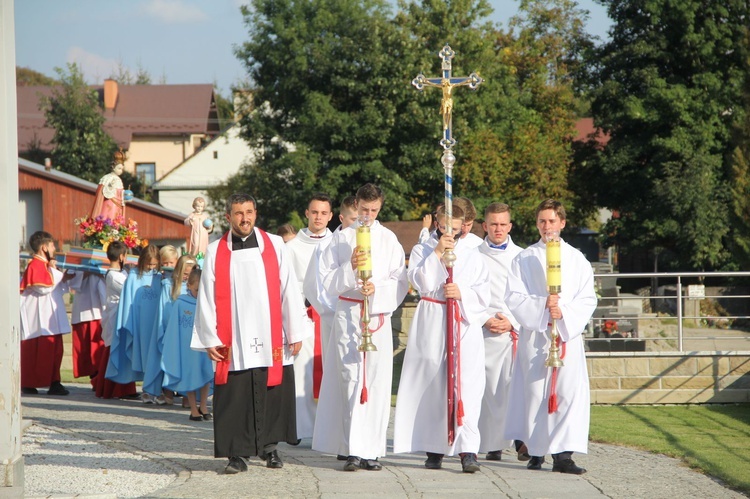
<point>363,241</point>
<point>554,271</point>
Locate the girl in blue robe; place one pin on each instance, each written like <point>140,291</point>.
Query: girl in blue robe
<point>186,370</point>
<point>125,360</point>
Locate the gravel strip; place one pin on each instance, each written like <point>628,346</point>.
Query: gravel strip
<point>98,470</point>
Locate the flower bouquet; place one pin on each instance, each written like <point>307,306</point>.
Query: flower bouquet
<point>99,232</point>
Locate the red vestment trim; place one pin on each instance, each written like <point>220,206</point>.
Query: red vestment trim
<point>223,292</point>
<point>317,353</point>
<point>37,274</point>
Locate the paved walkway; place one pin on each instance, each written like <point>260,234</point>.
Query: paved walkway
<point>79,446</point>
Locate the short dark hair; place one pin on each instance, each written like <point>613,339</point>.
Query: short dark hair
<point>239,198</point>
<point>370,192</point>
<point>496,208</point>
<point>349,203</point>
<point>551,204</point>
<point>39,239</point>
<point>115,250</point>
<point>321,196</point>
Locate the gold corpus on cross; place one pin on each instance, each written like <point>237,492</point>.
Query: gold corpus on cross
<point>447,82</point>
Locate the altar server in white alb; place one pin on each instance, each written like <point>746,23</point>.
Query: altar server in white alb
<point>355,396</point>
<point>559,426</point>
<point>422,408</point>
<point>500,333</point>
<point>308,365</point>
<point>468,238</point>
<point>323,303</point>
<point>251,320</point>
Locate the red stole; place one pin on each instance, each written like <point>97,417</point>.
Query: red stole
<point>37,274</point>
<point>223,292</point>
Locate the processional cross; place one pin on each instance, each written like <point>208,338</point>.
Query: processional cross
<point>447,82</point>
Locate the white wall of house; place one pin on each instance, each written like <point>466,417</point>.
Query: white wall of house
<point>214,164</point>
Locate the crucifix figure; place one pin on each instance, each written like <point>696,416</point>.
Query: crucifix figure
<point>447,81</point>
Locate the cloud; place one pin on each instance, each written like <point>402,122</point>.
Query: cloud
<point>172,11</point>
<point>94,67</point>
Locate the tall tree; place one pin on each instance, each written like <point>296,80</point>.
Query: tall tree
<point>81,146</point>
<point>324,72</point>
<point>739,174</point>
<point>668,82</point>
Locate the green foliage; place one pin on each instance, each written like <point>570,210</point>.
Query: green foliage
<point>27,77</point>
<point>224,108</point>
<point>334,107</point>
<point>124,76</point>
<point>739,174</point>
<point>712,438</point>
<point>81,146</point>
<point>668,81</point>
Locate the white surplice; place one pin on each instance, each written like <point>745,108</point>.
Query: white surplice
<point>90,297</point>
<point>301,250</point>
<point>498,349</point>
<point>344,425</point>
<point>43,309</point>
<point>567,429</point>
<point>421,408</point>
<point>251,320</point>
<point>114,281</point>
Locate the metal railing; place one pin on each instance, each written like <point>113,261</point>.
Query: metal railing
<point>676,279</point>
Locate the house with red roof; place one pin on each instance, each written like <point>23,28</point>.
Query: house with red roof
<point>158,126</point>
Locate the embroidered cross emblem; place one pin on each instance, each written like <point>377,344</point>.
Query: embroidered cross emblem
<point>256,345</point>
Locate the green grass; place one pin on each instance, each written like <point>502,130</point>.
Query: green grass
<point>714,439</point>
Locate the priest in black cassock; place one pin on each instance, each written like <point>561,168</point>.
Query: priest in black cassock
<point>250,318</point>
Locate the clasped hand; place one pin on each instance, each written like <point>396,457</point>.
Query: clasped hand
<point>554,309</point>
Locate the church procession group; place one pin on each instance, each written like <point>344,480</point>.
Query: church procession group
<point>275,329</point>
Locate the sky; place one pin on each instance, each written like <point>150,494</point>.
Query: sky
<point>180,41</point>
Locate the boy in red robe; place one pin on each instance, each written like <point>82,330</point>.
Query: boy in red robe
<point>43,318</point>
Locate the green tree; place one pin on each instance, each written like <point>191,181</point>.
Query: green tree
<point>514,133</point>
<point>739,175</point>
<point>27,77</point>
<point>81,146</point>
<point>667,84</point>
<point>324,74</point>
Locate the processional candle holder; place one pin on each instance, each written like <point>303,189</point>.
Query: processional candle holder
<point>364,271</point>
<point>554,287</point>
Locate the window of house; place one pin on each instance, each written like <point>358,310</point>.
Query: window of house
<point>216,154</point>
<point>146,172</point>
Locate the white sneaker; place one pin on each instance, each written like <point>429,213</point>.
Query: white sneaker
<point>160,400</point>
<point>146,398</point>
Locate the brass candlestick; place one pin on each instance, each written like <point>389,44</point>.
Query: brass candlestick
<point>554,287</point>
<point>364,270</point>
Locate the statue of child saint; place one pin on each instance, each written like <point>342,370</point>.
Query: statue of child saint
<point>110,195</point>
<point>200,227</point>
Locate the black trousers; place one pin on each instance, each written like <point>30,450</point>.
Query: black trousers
<point>250,416</point>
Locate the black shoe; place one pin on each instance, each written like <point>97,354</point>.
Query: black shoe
<point>469,462</point>
<point>567,466</point>
<point>207,416</point>
<point>29,391</point>
<point>273,460</point>
<point>299,440</point>
<point>56,388</point>
<point>434,461</point>
<point>341,457</point>
<point>494,455</point>
<point>195,418</point>
<point>523,453</point>
<point>236,465</point>
<point>535,463</point>
<point>370,464</point>
<point>352,463</point>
